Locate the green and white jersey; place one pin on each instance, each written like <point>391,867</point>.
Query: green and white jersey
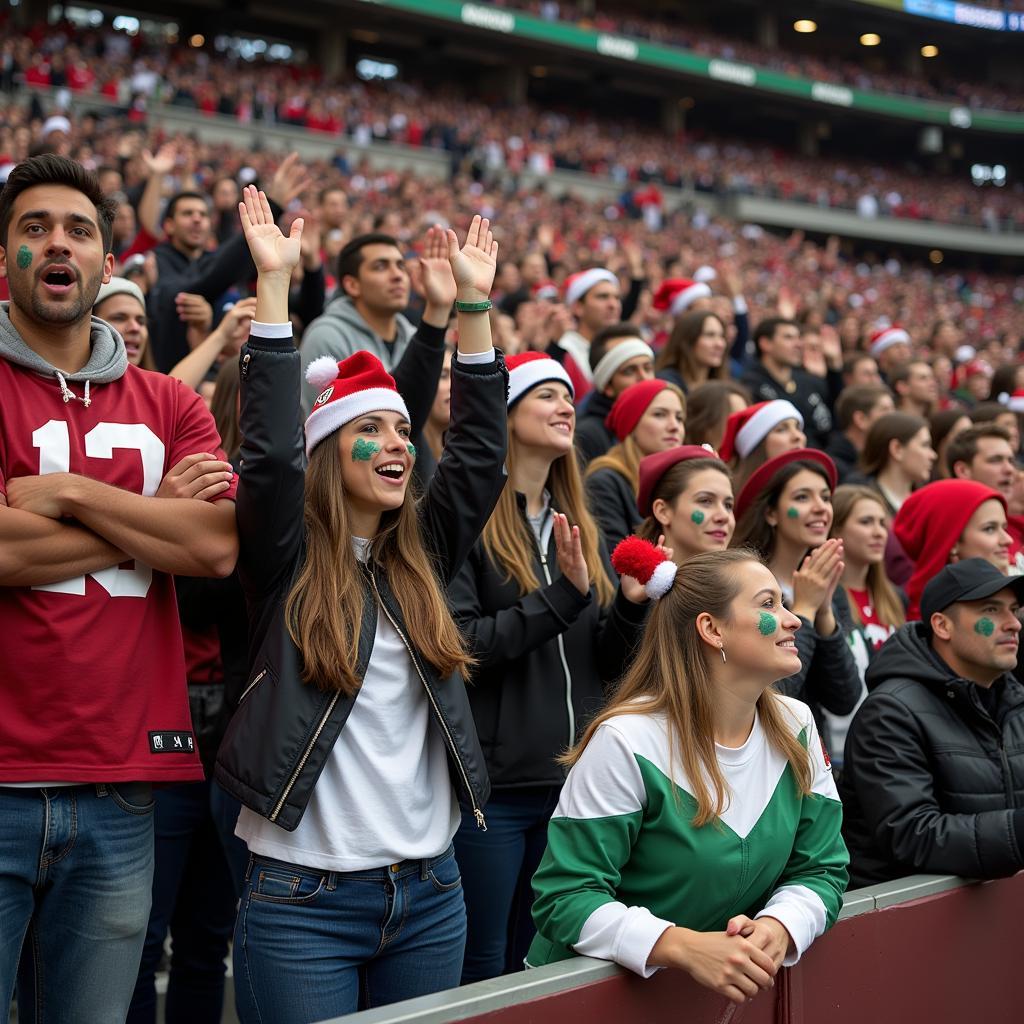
<point>624,861</point>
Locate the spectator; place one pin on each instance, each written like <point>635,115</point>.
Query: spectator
<point>610,885</point>
<point>915,387</point>
<point>536,601</point>
<point>432,438</point>
<point>708,409</point>
<point>59,525</point>
<point>933,777</point>
<point>619,358</point>
<point>696,351</point>
<point>685,495</point>
<point>857,409</point>
<point>890,346</point>
<point>897,457</point>
<point>759,433</point>
<point>593,299</point>
<point>121,303</point>
<point>1002,416</point>
<point>646,418</point>
<point>860,370</point>
<point>944,426</point>
<point>983,453</point>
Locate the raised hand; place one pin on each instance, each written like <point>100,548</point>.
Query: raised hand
<point>162,162</point>
<point>569,551</point>
<point>432,277</point>
<point>194,310</point>
<point>273,253</point>
<point>290,181</point>
<point>473,265</point>
<point>815,581</point>
<point>633,590</point>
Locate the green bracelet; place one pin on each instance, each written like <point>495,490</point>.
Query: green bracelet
<point>473,307</point>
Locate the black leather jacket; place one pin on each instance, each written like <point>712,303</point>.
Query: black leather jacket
<point>283,731</point>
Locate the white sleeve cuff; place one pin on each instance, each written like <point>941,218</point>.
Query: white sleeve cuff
<point>473,358</point>
<point>801,912</point>
<point>258,330</point>
<point>739,305</point>
<point>623,934</point>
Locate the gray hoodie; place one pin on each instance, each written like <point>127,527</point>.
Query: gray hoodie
<point>107,360</point>
<point>339,332</point>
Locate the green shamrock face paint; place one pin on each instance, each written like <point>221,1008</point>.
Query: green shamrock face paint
<point>24,257</point>
<point>412,450</point>
<point>792,513</point>
<point>985,626</point>
<point>767,624</point>
<point>697,516</point>
<point>363,451</point>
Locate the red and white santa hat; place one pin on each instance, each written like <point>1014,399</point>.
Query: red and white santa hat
<point>544,290</point>
<point>746,429</point>
<point>1014,402</point>
<point>677,294</point>
<point>348,389</point>
<point>886,337</point>
<point>528,369</point>
<point>646,564</point>
<point>577,285</point>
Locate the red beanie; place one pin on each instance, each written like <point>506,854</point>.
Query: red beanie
<point>630,406</point>
<point>928,525</point>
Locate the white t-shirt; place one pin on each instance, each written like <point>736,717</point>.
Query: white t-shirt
<point>385,794</point>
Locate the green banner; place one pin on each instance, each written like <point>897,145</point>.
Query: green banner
<point>526,26</point>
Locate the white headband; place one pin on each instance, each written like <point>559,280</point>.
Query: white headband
<point>612,361</point>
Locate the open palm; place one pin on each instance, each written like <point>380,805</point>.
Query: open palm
<point>474,264</point>
<point>272,251</point>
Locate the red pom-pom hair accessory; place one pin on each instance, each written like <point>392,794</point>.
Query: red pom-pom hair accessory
<point>645,563</point>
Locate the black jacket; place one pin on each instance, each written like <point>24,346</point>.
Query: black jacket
<point>811,395</point>
<point>933,778</point>
<point>545,662</point>
<point>613,503</point>
<point>840,449</point>
<point>283,731</point>
<point>592,437</point>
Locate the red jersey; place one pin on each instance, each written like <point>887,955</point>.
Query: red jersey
<point>875,631</point>
<point>92,670</point>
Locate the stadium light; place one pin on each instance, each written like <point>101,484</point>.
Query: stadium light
<point>929,51</point>
<point>805,25</point>
<point>870,39</point>
<point>197,40</point>
<point>935,256</point>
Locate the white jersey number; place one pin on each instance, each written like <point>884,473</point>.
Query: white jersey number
<point>54,444</point>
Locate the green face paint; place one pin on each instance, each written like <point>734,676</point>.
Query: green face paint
<point>412,450</point>
<point>363,451</point>
<point>697,516</point>
<point>767,624</point>
<point>793,513</point>
<point>24,257</point>
<point>985,626</point>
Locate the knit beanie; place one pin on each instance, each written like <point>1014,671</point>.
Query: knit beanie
<point>677,294</point>
<point>629,407</point>
<point>615,358</point>
<point>528,369</point>
<point>348,389</point>
<point>746,429</point>
<point>930,522</point>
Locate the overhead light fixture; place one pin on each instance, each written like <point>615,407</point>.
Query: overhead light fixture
<point>805,25</point>
<point>197,40</point>
<point>929,51</point>
<point>870,39</point>
<point>935,256</point>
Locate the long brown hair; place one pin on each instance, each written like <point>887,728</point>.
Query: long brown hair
<point>893,426</point>
<point>670,675</point>
<point>707,409</point>
<point>224,408</point>
<point>678,353</point>
<point>673,482</point>
<point>883,594</point>
<point>325,607</point>
<point>507,538</point>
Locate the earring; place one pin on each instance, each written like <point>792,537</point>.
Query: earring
<point>722,651</point>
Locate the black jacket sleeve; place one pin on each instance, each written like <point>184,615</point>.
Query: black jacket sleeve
<point>828,674</point>
<point>418,372</point>
<point>888,759</point>
<point>308,301</point>
<point>271,479</point>
<point>613,505</point>
<point>632,297</point>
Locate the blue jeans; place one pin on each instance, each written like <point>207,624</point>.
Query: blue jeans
<point>76,871</point>
<point>311,945</point>
<point>497,867</point>
<point>193,896</point>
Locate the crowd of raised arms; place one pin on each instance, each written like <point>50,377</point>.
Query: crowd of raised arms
<point>405,585</point>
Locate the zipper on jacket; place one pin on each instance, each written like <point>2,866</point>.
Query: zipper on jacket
<point>245,692</point>
<point>477,813</point>
<point>305,757</point>
<point>245,364</point>
<point>562,658</point>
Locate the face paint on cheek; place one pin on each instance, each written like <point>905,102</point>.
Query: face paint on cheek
<point>24,257</point>
<point>411,448</point>
<point>984,626</point>
<point>696,516</point>
<point>767,624</point>
<point>363,451</point>
<point>793,513</point>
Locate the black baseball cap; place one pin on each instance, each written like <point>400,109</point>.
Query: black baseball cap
<point>973,579</point>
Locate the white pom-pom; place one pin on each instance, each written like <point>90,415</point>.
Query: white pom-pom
<point>661,580</point>
<point>321,372</point>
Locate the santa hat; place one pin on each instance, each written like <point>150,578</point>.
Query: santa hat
<point>929,524</point>
<point>348,389</point>
<point>746,429</point>
<point>528,369</point>
<point>630,406</point>
<point>677,294</point>
<point>577,285</point>
<point>641,560</point>
<point>544,290</point>
<point>615,358</point>
<point>1014,402</point>
<point>885,338</point>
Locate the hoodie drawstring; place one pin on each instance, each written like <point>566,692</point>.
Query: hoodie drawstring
<point>67,394</point>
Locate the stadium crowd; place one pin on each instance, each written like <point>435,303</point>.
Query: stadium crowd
<point>486,134</point>
<point>508,545</point>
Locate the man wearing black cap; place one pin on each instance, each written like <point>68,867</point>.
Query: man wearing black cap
<point>933,777</point>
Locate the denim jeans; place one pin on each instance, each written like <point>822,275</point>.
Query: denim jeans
<point>193,896</point>
<point>497,867</point>
<point>311,945</point>
<point>76,872</point>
